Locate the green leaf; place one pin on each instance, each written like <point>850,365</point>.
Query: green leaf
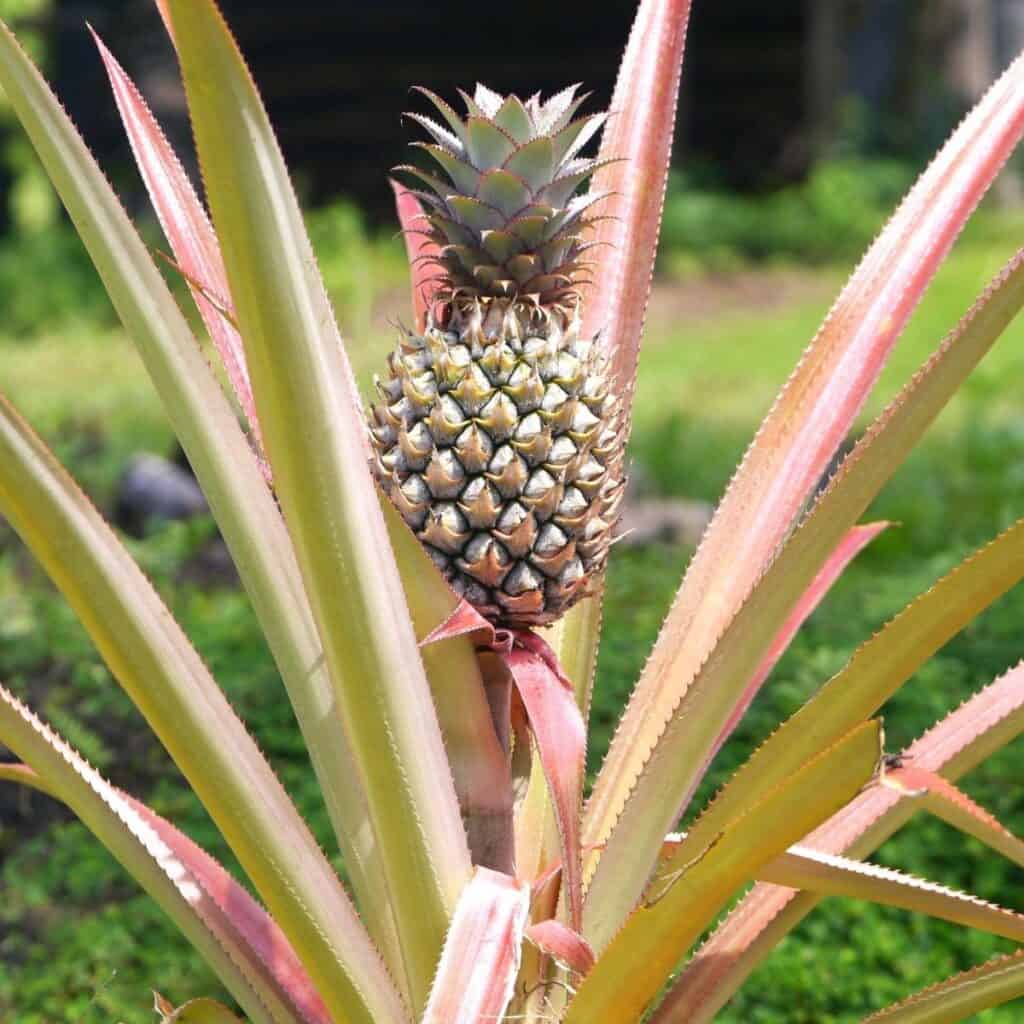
<point>217,450</point>
<point>480,768</point>
<point>315,437</point>
<point>983,725</point>
<point>60,772</point>
<point>154,662</point>
<point>961,996</point>
<point>669,756</point>
<point>691,886</point>
<point>488,146</point>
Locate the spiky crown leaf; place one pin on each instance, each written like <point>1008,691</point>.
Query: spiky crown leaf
<point>508,220</point>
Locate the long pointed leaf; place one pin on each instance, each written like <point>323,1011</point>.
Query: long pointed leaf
<point>560,737</point>
<point>638,141</point>
<point>877,669</point>
<point>185,225</point>
<point>881,665</point>
<point>679,755</point>
<point>962,996</point>
<point>855,540</point>
<point>218,452</point>
<point>826,874</point>
<point>154,662</point>
<point>813,413</point>
<point>956,808</point>
<point>417,248</point>
<point>978,728</point>
<point>315,439</point>
<point>230,930</point>
<point>687,893</point>
<point>481,955</point>
<point>480,765</point>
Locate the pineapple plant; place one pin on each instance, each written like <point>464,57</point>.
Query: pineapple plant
<point>498,434</point>
<point>403,606</point>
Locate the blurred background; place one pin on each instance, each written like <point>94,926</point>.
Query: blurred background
<point>802,123</point>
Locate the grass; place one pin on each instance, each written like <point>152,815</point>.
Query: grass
<point>77,942</point>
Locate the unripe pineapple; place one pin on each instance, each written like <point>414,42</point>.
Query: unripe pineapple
<point>498,437</point>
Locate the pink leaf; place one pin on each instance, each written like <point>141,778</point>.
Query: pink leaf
<point>187,228</point>
<point>565,945</point>
<point>229,915</point>
<point>819,403</point>
<point>849,547</point>
<point>410,216</point>
<point>956,808</point>
<point>638,139</point>
<point>165,17</point>
<point>554,719</point>
<point>983,724</point>
<point>558,730</point>
<point>476,976</point>
<point>812,414</point>
<point>254,927</point>
<point>465,619</point>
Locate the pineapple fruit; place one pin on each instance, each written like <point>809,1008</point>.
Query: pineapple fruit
<point>498,435</point>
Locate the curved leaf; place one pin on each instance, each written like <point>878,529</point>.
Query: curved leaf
<point>568,947</point>
<point>158,668</point>
<point>561,741</point>
<point>232,932</point>
<point>689,889</point>
<point>673,752</point>
<point>316,442</point>
<point>978,728</point>
<point>961,996</point>
<point>811,416</point>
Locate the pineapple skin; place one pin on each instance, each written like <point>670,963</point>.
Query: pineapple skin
<point>498,436</point>
<point>499,440</point>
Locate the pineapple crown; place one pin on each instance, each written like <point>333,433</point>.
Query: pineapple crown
<point>508,222</point>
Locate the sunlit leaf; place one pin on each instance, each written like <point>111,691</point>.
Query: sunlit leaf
<point>677,749</point>
<point>813,413</point>
<point>689,889</point>
<point>981,726</point>
<point>962,996</point>
<point>186,227</point>
<point>481,955</point>
<point>316,443</point>
<point>154,662</point>
<point>217,450</point>
<point>231,931</point>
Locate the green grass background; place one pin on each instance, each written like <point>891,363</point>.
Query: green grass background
<point>77,941</point>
